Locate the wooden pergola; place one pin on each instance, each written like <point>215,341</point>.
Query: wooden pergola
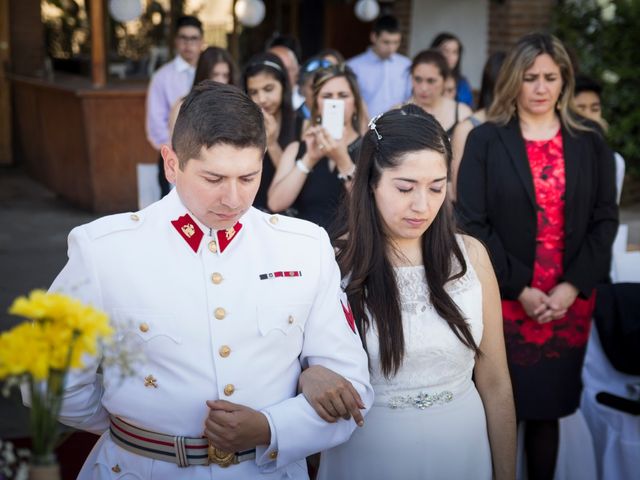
<point>83,138</point>
<point>98,48</point>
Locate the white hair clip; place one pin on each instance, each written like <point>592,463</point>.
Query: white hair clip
<point>372,125</point>
<point>271,64</point>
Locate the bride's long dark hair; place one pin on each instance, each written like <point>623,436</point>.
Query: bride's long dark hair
<point>363,246</point>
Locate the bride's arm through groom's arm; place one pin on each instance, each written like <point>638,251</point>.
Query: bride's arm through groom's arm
<point>331,395</point>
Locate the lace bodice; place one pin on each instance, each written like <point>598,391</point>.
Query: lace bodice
<point>435,360</point>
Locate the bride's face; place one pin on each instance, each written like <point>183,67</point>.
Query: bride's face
<point>409,196</point>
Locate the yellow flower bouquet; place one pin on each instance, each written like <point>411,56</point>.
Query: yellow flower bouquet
<point>39,354</point>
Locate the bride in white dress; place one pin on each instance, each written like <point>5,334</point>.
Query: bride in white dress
<point>426,302</point>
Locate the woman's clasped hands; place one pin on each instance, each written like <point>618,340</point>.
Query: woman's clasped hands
<point>544,307</point>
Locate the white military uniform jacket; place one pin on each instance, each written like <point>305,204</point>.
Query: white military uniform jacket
<point>217,315</point>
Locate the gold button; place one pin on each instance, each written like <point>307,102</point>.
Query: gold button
<point>213,247</point>
<point>116,468</point>
<point>144,327</point>
<point>150,381</point>
<point>273,220</point>
<point>273,455</point>
<point>220,313</point>
<point>135,218</point>
<point>229,389</point>
<point>224,351</point>
<point>216,278</point>
<point>291,319</point>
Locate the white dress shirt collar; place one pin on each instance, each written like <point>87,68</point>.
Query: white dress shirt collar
<point>182,65</point>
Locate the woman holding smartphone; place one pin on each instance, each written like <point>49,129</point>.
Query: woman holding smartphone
<point>313,174</point>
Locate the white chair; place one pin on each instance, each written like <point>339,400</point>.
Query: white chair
<point>157,56</point>
<point>118,69</point>
<point>148,186</point>
<point>616,434</point>
<point>625,266</point>
<point>611,396</point>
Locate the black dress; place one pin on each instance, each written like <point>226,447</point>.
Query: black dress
<point>268,168</point>
<point>322,193</point>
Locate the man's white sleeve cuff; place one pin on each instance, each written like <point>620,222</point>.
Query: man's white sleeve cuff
<point>266,457</point>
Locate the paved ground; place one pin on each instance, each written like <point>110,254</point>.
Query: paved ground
<point>33,246</point>
<point>33,242</point>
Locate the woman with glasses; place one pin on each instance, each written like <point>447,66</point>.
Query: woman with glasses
<point>265,80</point>
<point>313,173</point>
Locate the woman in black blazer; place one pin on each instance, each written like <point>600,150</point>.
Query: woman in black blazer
<point>537,185</point>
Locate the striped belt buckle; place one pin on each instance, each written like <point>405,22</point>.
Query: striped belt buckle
<point>183,451</point>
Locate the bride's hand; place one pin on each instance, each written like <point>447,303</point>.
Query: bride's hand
<point>331,395</point>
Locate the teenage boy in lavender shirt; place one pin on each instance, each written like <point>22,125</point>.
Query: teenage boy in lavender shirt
<point>383,74</point>
<point>170,83</point>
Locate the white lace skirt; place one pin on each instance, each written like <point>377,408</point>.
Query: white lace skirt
<point>447,442</point>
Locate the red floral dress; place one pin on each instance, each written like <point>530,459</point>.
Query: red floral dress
<point>530,343</point>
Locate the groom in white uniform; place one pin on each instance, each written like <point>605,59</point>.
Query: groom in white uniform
<point>227,305</point>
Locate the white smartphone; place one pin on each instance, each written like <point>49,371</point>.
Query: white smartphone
<point>333,117</point>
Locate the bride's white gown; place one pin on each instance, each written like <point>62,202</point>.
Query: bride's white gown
<point>427,422</point>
